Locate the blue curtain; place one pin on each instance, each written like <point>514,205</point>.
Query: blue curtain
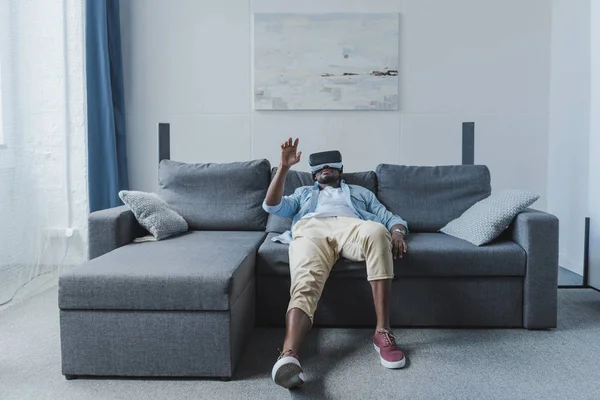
<point>107,153</point>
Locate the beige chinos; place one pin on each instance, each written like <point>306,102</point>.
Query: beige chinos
<point>319,242</point>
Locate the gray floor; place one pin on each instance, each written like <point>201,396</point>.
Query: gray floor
<point>340,363</point>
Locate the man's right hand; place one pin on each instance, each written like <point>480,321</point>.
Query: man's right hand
<point>289,156</point>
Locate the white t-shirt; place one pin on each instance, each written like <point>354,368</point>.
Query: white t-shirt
<point>332,203</point>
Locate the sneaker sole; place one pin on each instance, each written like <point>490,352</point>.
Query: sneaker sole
<point>390,364</point>
<point>287,373</point>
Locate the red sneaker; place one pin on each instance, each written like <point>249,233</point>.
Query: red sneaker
<point>389,353</point>
<point>287,371</point>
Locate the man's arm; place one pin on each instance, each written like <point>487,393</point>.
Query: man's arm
<point>275,191</point>
<point>401,227</point>
<point>390,220</point>
<point>274,202</point>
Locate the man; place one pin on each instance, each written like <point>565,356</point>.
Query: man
<point>331,220</point>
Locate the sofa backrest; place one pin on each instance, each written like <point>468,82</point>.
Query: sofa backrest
<point>296,179</point>
<point>215,196</point>
<point>430,197</point>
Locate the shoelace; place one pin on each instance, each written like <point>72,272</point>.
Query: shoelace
<point>390,339</point>
<point>283,353</point>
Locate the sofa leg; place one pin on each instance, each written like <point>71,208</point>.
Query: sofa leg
<point>225,378</point>
<point>70,377</point>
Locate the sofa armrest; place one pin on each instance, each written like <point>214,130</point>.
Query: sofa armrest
<point>537,232</point>
<point>110,229</point>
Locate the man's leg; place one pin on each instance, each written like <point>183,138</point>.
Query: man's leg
<point>382,293</point>
<point>311,258</point>
<point>371,241</point>
<point>297,325</point>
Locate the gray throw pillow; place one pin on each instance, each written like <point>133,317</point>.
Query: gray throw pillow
<point>488,218</point>
<point>154,214</point>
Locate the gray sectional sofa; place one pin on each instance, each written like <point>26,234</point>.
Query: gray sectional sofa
<point>186,306</point>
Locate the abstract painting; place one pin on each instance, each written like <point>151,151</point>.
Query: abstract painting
<point>326,61</point>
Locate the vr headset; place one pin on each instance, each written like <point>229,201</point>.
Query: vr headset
<point>331,159</point>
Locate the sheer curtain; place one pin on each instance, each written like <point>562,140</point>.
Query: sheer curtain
<point>43,196</point>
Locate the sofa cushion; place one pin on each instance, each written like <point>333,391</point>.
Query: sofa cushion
<point>196,271</point>
<point>430,197</point>
<point>429,255</point>
<point>273,259</point>
<point>296,179</point>
<point>217,196</point>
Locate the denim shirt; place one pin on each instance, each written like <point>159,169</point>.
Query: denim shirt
<point>304,201</point>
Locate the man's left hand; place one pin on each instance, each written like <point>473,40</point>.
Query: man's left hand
<point>398,245</point>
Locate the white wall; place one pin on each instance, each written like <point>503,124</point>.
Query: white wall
<point>189,63</point>
<point>4,32</point>
<point>594,148</point>
<point>569,126</point>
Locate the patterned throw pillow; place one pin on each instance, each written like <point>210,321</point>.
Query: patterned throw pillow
<point>488,218</point>
<point>154,214</point>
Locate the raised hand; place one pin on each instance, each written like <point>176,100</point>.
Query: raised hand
<point>289,154</point>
